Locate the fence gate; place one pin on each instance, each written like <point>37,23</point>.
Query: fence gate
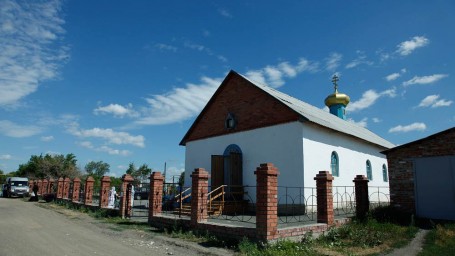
<point>140,200</point>
<point>435,187</point>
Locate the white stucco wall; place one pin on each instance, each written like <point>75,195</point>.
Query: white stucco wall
<point>279,144</point>
<point>318,145</point>
<point>299,150</point>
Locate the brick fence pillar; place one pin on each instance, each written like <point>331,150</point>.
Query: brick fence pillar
<point>199,190</point>
<point>45,189</point>
<point>266,202</point>
<point>51,186</point>
<point>30,186</point>
<point>104,193</point>
<point>156,194</point>
<point>66,188</point>
<point>361,196</point>
<point>40,187</point>
<point>324,197</point>
<point>88,194</point>
<point>76,189</point>
<point>60,188</point>
<point>125,198</point>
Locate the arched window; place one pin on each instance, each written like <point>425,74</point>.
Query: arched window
<point>384,173</point>
<point>334,164</point>
<point>369,172</point>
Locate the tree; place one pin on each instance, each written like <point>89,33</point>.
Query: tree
<point>131,169</point>
<point>140,174</point>
<point>97,169</point>
<point>143,172</point>
<point>50,166</point>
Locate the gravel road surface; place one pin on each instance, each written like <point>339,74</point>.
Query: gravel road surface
<point>28,229</point>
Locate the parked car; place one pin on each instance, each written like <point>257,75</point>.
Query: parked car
<point>15,186</point>
<point>141,193</point>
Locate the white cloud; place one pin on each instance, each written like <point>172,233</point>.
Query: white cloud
<point>333,61</point>
<point>376,120</point>
<point>409,128</point>
<point>369,98</point>
<point>117,110</point>
<point>47,138</point>
<point>361,59</point>
<point>5,157</point>
<point>225,13</point>
<point>392,77</point>
<point>184,103</point>
<point>407,47</point>
<point>30,46</point>
<point>166,47</point>
<point>425,79</point>
<point>434,102</point>
<point>109,150</point>
<point>109,135</point>
<point>362,123</point>
<point>14,130</point>
<point>179,104</point>
<point>274,75</point>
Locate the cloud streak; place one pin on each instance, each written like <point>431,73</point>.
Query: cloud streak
<point>369,98</point>
<point>14,130</point>
<point>117,110</point>
<point>30,33</point>
<point>407,47</point>
<point>433,101</point>
<point>109,135</point>
<point>425,79</point>
<point>408,128</point>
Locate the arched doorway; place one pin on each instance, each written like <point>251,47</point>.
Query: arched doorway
<point>227,168</point>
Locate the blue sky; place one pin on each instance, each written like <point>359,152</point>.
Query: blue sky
<point>122,81</point>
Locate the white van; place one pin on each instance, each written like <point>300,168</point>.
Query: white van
<point>15,186</point>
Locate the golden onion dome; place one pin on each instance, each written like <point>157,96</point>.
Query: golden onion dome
<point>337,98</point>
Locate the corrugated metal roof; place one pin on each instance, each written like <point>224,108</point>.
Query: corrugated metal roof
<point>324,118</point>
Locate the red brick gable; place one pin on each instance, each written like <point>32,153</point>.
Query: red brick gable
<point>252,108</point>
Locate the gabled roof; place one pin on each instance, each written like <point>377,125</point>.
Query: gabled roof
<point>309,113</point>
<point>412,143</point>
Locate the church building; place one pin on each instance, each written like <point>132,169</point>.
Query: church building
<point>246,123</point>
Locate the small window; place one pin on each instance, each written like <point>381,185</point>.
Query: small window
<point>384,173</point>
<point>369,172</point>
<point>230,122</point>
<point>334,165</point>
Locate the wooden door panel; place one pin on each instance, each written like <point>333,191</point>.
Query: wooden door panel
<point>217,172</point>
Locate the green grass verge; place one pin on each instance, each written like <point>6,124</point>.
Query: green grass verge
<point>367,237</point>
<point>440,241</point>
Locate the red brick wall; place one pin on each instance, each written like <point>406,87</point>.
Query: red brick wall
<point>401,169</point>
<point>251,107</point>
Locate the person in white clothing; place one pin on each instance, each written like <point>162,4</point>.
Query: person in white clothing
<point>112,196</point>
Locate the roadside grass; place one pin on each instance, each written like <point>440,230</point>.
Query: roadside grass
<point>440,241</point>
<point>380,232</point>
<point>368,237</point>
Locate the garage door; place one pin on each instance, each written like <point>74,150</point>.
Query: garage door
<point>435,187</point>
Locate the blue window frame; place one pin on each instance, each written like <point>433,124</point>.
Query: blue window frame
<point>334,164</point>
<point>384,173</point>
<point>369,172</point>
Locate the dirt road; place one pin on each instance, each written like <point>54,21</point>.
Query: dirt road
<point>27,229</point>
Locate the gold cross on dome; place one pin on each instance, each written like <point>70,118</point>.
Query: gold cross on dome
<point>335,79</point>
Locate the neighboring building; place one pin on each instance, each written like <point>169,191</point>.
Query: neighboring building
<point>246,123</point>
<point>422,176</point>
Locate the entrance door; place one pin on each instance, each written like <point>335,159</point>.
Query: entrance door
<point>435,187</point>
<point>227,169</point>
